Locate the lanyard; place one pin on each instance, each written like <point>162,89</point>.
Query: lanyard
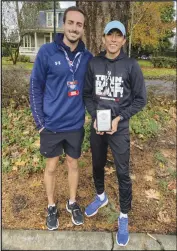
<point>71,64</point>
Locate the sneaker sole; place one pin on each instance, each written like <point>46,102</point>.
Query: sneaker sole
<point>69,211</point>
<point>122,245</point>
<point>104,204</point>
<point>54,228</point>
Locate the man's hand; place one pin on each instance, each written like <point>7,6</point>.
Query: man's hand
<point>115,123</point>
<point>41,129</point>
<point>94,126</point>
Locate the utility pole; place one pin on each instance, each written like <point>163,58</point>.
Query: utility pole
<point>54,17</point>
<point>131,28</point>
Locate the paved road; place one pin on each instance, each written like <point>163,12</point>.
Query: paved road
<point>160,87</point>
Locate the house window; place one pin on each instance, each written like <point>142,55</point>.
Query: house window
<point>49,19</point>
<point>50,16</point>
<point>27,41</point>
<point>60,20</point>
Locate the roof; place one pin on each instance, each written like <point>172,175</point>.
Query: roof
<point>51,10</point>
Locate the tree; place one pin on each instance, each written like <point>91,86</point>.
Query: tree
<point>151,24</point>
<point>17,20</point>
<point>98,14</point>
<point>133,23</point>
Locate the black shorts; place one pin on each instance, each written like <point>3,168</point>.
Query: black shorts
<point>52,144</point>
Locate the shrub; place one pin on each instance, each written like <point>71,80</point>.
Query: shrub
<point>5,52</point>
<point>23,58</point>
<point>163,62</point>
<point>86,143</point>
<point>15,87</point>
<point>148,122</point>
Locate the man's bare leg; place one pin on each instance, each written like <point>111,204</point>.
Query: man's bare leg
<point>73,179</point>
<point>73,176</point>
<point>50,177</point>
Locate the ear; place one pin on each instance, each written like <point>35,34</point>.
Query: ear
<point>124,41</point>
<point>103,40</point>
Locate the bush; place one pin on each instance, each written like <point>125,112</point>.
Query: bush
<point>86,143</point>
<point>15,87</point>
<point>163,62</point>
<point>5,52</point>
<point>23,58</point>
<point>147,123</point>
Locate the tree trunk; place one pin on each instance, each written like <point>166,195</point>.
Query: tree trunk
<point>98,14</point>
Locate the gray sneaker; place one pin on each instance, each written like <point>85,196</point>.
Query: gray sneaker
<point>52,218</point>
<point>75,211</point>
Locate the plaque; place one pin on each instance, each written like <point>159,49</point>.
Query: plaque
<point>104,120</point>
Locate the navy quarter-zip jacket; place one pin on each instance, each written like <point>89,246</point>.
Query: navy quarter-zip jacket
<point>51,105</point>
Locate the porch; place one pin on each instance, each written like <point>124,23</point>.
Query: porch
<point>33,41</point>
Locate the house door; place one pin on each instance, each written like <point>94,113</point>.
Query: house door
<point>46,39</point>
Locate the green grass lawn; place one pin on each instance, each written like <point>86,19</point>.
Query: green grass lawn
<point>6,63</point>
<point>149,71</point>
<point>145,63</point>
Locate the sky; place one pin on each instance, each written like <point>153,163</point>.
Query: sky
<point>65,4</point>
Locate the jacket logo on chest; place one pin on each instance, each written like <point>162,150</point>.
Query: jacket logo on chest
<point>109,86</point>
<point>57,63</point>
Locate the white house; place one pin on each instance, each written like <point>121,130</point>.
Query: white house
<point>173,40</point>
<point>43,34</point>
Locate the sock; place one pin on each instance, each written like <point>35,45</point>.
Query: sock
<point>102,196</point>
<point>71,202</point>
<point>123,215</point>
<point>52,205</point>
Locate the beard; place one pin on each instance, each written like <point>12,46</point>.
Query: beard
<point>72,40</point>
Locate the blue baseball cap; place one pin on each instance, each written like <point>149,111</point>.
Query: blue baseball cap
<point>115,25</point>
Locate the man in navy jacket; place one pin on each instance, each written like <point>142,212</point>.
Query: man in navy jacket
<point>114,87</point>
<point>56,88</point>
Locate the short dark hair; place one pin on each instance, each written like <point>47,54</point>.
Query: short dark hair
<point>72,8</point>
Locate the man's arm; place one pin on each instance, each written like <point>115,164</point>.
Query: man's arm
<point>89,91</point>
<point>37,86</point>
<point>138,91</point>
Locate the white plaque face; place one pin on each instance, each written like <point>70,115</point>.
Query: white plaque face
<point>104,121</point>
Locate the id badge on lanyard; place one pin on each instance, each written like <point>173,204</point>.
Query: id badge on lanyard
<point>73,87</point>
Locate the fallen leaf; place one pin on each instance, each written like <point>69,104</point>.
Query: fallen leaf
<point>151,172</point>
<point>36,159</point>
<point>36,183</point>
<point>15,154</point>
<point>163,217</point>
<point>156,117</point>
<point>136,145</point>
<point>161,165</point>
<point>15,168</point>
<point>140,136</point>
<point>148,178</point>
<point>152,194</point>
<point>172,112</point>
<point>132,176</point>
<point>25,150</point>
<point>36,144</point>
<point>172,185</point>
<point>109,170</point>
<point>25,133</point>
<point>20,163</point>
<point>69,225</point>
